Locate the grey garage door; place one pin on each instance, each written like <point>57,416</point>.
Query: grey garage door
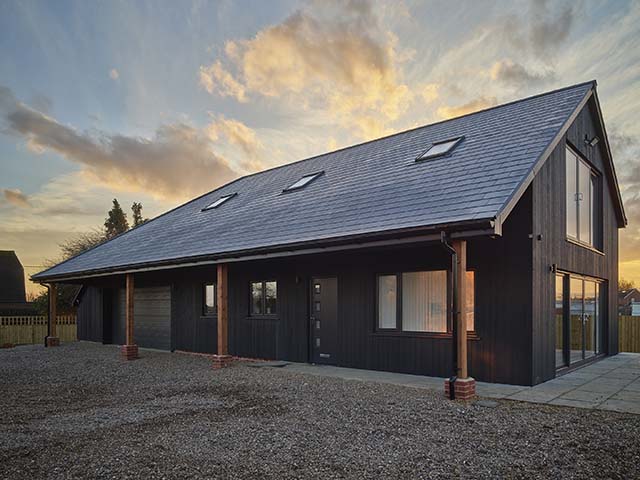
<point>152,317</point>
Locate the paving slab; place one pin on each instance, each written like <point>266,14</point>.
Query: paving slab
<point>620,406</point>
<point>612,383</point>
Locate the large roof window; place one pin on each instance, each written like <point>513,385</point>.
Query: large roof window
<point>438,149</point>
<point>219,201</point>
<point>303,182</point>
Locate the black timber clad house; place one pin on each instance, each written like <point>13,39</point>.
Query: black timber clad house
<point>13,298</point>
<point>348,265</point>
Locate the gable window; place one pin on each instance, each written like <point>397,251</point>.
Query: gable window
<point>417,302</point>
<point>439,149</point>
<point>583,222</point>
<point>264,298</point>
<point>219,201</point>
<point>210,301</point>
<point>303,182</point>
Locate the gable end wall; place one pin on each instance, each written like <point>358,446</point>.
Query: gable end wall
<point>549,220</point>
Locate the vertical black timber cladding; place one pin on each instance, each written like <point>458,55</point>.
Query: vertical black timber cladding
<point>90,315</point>
<point>549,219</point>
<point>193,332</point>
<point>501,350</point>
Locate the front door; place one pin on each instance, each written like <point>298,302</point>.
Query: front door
<point>324,320</point>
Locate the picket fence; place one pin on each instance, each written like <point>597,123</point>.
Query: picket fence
<point>17,330</point>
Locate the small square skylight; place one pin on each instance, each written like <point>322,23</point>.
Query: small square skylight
<point>219,201</point>
<point>303,182</point>
<point>440,148</point>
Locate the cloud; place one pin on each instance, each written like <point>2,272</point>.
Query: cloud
<point>16,198</point>
<point>545,27</point>
<point>469,107</point>
<point>177,162</point>
<point>114,74</point>
<point>517,75</point>
<point>430,92</point>
<point>215,78</point>
<point>626,151</point>
<point>243,137</point>
<point>329,56</point>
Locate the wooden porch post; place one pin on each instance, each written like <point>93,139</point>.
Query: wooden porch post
<point>465,386</point>
<point>52,339</point>
<point>460,247</point>
<point>129,349</point>
<point>222,357</point>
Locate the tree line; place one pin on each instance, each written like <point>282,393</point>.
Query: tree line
<point>115,223</point>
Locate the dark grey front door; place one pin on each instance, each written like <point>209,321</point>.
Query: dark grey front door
<point>324,320</point>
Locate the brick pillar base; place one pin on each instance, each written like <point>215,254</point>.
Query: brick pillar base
<point>221,361</point>
<point>129,352</point>
<point>464,388</point>
<point>52,341</point>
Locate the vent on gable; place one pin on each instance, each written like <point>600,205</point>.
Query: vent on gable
<point>219,202</point>
<point>303,182</point>
<point>439,149</point>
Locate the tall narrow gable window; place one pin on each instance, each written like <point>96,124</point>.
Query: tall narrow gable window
<point>303,182</point>
<point>582,200</point>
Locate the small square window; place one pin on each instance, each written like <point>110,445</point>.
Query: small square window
<point>263,298</point>
<point>439,149</point>
<point>303,182</point>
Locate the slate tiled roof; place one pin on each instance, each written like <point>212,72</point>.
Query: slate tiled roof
<point>372,187</point>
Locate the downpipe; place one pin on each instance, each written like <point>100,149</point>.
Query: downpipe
<point>454,301</point>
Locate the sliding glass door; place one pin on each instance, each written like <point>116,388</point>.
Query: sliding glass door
<point>578,319</point>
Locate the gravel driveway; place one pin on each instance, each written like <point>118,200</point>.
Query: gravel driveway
<point>79,411</point>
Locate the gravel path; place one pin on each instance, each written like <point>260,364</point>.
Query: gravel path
<point>79,411</point>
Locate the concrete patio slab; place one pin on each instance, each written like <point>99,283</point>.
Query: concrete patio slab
<point>612,383</point>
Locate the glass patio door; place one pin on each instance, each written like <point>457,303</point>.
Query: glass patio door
<point>578,319</point>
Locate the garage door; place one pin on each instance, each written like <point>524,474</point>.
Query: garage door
<point>152,314</point>
<point>152,317</point>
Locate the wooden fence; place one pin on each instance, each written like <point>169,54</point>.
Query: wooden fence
<point>20,329</point>
<point>629,333</point>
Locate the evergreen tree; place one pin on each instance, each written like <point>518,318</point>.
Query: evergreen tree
<point>136,208</point>
<point>116,221</point>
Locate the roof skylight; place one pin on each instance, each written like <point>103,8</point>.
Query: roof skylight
<point>303,182</point>
<point>440,148</point>
<point>219,201</point>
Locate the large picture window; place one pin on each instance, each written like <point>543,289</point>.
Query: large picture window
<point>582,200</point>
<point>264,298</point>
<point>417,302</point>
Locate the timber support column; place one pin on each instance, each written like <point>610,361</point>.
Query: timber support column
<point>129,349</point>
<point>222,357</point>
<point>52,339</point>
<point>464,385</point>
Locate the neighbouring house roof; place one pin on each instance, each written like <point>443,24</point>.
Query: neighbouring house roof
<point>12,289</point>
<point>626,297</point>
<point>363,190</point>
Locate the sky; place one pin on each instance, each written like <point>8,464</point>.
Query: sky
<point>159,101</point>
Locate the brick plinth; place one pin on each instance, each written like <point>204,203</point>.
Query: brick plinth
<point>464,388</point>
<point>129,352</point>
<point>221,361</point>
<point>52,341</point>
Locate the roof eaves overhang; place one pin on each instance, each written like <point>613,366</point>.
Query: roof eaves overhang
<point>462,230</point>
